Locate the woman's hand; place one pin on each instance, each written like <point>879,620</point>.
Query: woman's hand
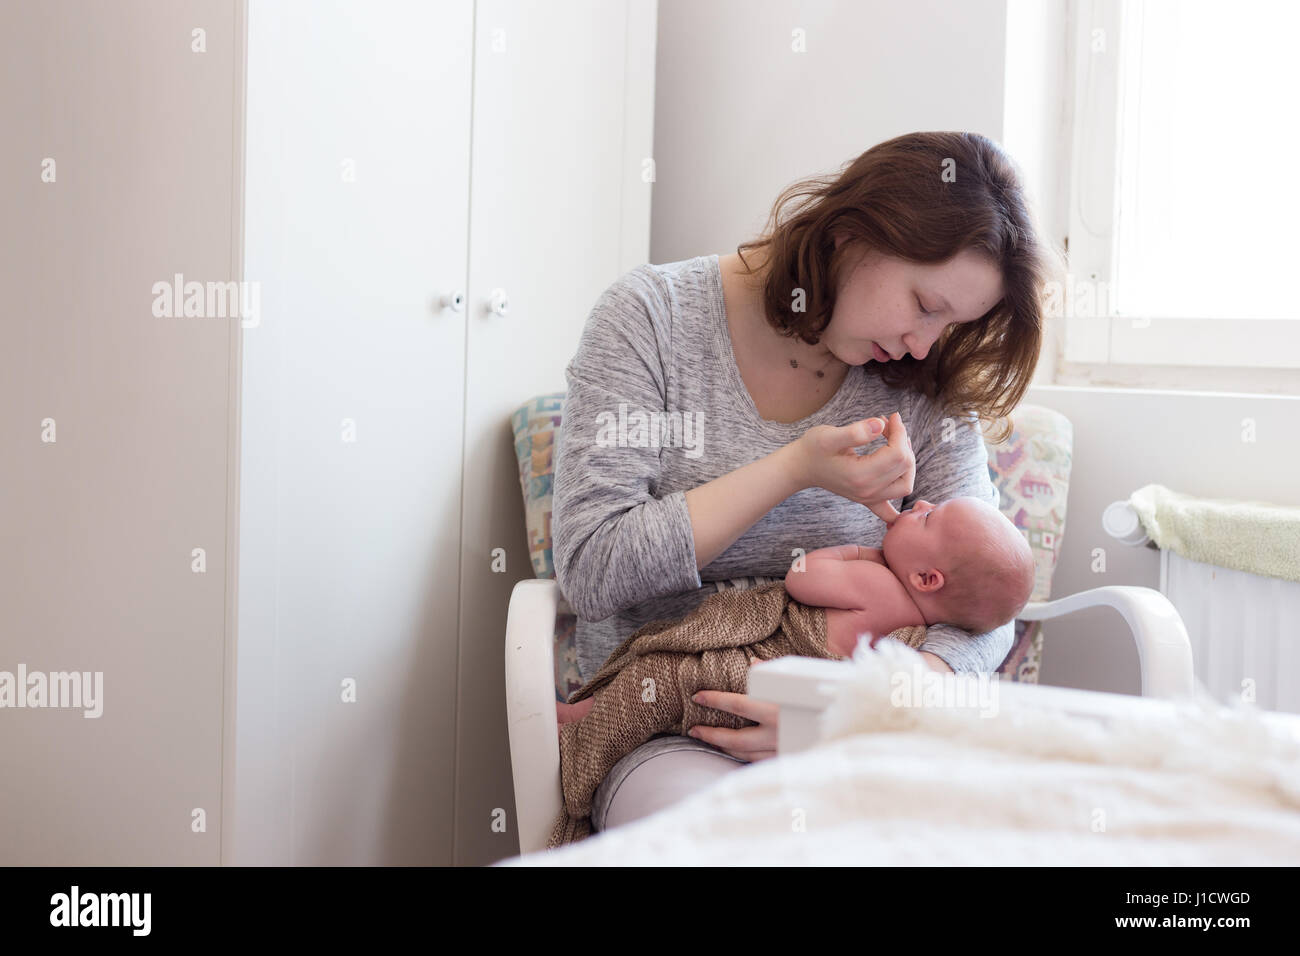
<point>756,743</point>
<point>826,457</point>
<point>747,743</point>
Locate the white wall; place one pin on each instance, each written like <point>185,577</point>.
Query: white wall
<point>99,526</point>
<point>1124,439</point>
<point>739,115</point>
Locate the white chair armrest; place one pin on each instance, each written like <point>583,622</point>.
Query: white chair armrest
<point>530,710</point>
<point>803,687</point>
<point>1164,652</point>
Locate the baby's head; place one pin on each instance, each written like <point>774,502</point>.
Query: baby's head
<point>963,563</point>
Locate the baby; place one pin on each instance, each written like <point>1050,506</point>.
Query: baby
<point>961,563</point>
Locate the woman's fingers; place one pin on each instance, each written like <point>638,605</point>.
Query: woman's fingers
<point>896,457</point>
<point>748,743</point>
<point>745,743</point>
<point>856,434</point>
<point>742,705</point>
<point>888,472</point>
<point>870,490</point>
<point>884,510</point>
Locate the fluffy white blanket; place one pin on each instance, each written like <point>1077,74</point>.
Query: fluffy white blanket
<point>893,785</point>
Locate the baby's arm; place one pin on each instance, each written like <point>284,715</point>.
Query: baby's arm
<point>831,579</point>
<point>846,552</point>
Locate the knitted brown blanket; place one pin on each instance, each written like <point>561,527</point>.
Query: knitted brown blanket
<point>645,686</point>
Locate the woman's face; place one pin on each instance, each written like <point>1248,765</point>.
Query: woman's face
<point>880,301</point>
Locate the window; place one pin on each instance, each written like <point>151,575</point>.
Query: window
<point>1183,209</point>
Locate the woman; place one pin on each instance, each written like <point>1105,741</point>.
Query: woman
<point>714,406</point>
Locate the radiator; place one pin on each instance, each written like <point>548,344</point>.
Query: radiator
<point>1244,628</point>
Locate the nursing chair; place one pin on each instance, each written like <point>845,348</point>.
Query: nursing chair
<point>1031,470</point>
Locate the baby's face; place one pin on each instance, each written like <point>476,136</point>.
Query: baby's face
<point>919,536</point>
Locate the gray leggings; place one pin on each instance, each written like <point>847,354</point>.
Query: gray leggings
<point>656,774</point>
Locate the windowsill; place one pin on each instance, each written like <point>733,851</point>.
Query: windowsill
<point>1180,378</point>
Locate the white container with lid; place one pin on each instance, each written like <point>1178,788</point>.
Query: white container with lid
<point>1120,521</point>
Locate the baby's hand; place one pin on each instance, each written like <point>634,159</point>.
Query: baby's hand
<point>567,713</point>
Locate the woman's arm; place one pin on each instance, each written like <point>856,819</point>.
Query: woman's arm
<point>825,457</point>
<point>936,662</point>
<point>615,543</point>
<point>952,461</point>
<point>725,508</point>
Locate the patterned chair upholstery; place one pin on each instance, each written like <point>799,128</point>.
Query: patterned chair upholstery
<point>1031,470</point>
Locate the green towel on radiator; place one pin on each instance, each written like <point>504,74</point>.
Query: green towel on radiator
<point>1252,536</point>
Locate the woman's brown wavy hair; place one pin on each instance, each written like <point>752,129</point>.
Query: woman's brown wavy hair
<point>895,199</point>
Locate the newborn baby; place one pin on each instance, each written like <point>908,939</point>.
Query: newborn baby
<point>961,562</point>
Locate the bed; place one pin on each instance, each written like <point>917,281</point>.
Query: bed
<point>872,771</point>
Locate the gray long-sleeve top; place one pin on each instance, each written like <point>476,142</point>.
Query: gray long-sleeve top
<point>656,406</point>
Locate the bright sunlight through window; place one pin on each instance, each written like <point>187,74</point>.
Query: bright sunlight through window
<point>1208,205</point>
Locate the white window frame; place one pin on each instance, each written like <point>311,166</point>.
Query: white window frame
<point>1100,336</point>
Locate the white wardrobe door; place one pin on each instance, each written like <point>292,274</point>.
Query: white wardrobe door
<point>563,114</point>
<point>357,209</point>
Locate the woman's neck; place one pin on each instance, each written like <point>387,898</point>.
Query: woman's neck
<point>747,313</point>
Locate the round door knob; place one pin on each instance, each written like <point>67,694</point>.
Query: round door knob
<point>453,300</point>
<point>499,303</point>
